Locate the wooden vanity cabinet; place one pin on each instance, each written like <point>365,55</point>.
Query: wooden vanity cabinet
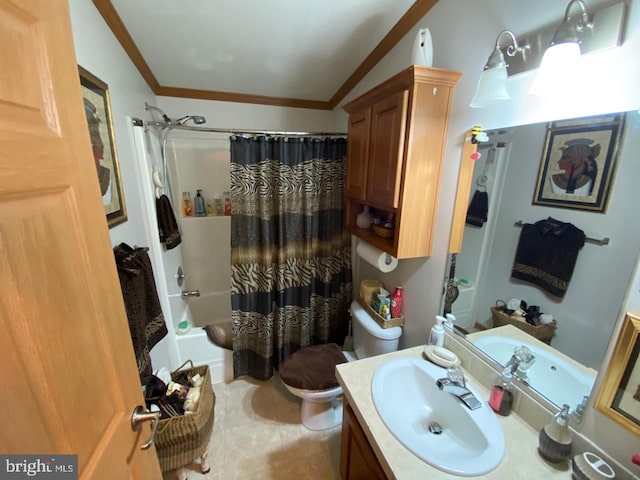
<point>357,459</point>
<point>397,133</point>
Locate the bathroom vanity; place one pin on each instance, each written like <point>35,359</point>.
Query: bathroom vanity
<point>371,451</point>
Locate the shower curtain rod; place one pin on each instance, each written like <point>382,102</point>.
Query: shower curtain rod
<point>234,131</point>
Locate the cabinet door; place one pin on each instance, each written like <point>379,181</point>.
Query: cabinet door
<point>357,459</point>
<point>388,127</point>
<point>357,154</point>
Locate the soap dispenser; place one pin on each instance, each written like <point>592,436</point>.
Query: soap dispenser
<point>437,332</point>
<point>554,441</point>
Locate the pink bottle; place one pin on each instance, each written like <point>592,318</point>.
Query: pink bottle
<point>396,303</point>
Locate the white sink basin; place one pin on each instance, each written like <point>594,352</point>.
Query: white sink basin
<point>405,394</point>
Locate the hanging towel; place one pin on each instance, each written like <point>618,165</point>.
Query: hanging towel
<point>547,253</point>
<point>146,321</point>
<point>478,209</point>
<point>167,224</point>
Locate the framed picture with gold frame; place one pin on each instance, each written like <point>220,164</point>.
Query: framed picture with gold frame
<point>579,162</point>
<point>619,396</point>
<point>97,108</point>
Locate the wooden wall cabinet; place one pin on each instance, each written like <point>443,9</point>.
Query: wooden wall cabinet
<point>357,459</point>
<point>397,135</point>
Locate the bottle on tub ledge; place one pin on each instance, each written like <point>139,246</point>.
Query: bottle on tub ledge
<point>201,210</point>
<point>187,205</point>
<point>227,204</point>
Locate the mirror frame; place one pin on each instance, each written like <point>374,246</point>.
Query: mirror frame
<point>622,367</point>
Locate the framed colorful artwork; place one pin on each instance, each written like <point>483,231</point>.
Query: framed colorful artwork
<point>97,108</point>
<point>579,162</point>
<point>619,396</point>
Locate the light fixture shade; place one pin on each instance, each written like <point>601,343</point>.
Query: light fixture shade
<point>492,86</point>
<point>558,69</point>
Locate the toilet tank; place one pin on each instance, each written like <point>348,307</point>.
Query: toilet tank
<point>369,338</point>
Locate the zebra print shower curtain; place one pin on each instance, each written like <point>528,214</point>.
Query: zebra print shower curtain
<point>290,255</point>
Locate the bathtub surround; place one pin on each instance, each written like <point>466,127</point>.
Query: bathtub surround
<point>290,256</point>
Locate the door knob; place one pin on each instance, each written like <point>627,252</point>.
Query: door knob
<point>140,415</point>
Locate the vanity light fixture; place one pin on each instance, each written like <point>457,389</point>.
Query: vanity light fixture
<point>561,60</point>
<point>492,85</point>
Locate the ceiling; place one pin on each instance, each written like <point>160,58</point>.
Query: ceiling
<point>299,53</point>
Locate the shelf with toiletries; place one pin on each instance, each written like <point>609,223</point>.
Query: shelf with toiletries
<point>375,225</point>
<point>397,133</point>
<point>219,205</point>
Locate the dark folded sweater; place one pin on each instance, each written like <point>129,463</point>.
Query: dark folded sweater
<point>547,253</point>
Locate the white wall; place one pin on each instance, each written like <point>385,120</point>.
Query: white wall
<point>98,51</point>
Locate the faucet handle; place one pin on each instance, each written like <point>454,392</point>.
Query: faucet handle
<point>456,375</point>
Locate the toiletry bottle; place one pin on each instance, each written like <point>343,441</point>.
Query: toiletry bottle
<point>210,211</point>
<point>201,211</point>
<point>501,396</point>
<point>396,302</point>
<point>437,333</point>
<point>227,203</point>
<point>554,441</point>
<point>217,204</point>
<point>187,205</point>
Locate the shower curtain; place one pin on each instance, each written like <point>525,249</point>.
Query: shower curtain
<point>290,255</point>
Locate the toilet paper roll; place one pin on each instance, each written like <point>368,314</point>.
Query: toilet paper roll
<point>379,259</point>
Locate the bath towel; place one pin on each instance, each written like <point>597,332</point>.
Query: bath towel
<point>167,224</point>
<point>546,254</point>
<point>478,209</point>
<point>146,320</point>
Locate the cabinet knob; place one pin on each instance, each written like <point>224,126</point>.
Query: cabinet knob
<point>435,91</point>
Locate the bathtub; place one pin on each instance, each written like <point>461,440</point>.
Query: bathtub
<point>208,308</point>
<point>555,376</point>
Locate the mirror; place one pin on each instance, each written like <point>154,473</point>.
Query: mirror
<point>509,170</point>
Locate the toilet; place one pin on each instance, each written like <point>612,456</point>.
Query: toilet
<point>310,372</point>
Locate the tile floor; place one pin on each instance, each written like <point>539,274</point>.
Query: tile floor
<point>257,434</point>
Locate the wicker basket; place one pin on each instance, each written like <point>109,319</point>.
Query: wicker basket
<point>384,323</point>
<point>180,440</point>
<point>544,333</point>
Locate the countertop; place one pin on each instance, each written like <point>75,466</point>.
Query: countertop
<point>521,459</point>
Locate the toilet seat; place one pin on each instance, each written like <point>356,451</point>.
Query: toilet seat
<point>313,368</point>
<point>310,375</point>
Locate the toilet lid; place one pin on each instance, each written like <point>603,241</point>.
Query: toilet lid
<point>313,368</point>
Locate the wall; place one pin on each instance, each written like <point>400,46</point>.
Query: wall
<point>99,52</point>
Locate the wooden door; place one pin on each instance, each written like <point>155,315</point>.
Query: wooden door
<point>358,154</point>
<point>388,128</point>
<point>67,358</point>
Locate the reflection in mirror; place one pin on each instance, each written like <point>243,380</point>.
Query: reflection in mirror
<point>510,172</point>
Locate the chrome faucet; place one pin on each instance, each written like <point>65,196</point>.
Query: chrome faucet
<point>520,362</point>
<point>456,385</point>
